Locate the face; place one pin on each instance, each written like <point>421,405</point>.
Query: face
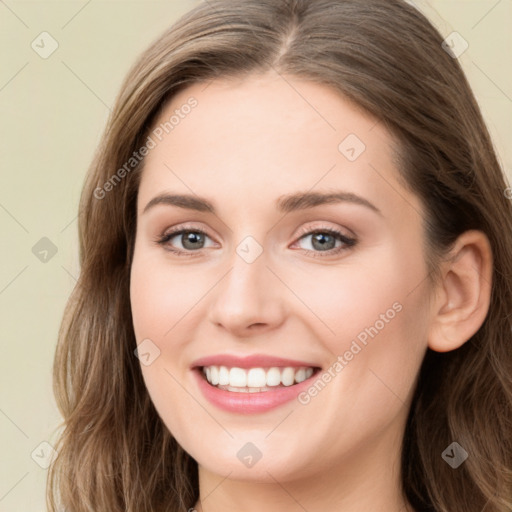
<point>335,286</point>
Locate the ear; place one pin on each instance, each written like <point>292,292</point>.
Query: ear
<point>463,297</point>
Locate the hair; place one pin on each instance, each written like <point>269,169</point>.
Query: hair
<point>385,57</point>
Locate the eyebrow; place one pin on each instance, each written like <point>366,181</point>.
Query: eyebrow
<point>285,204</point>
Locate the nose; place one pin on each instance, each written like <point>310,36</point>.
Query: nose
<point>248,300</point>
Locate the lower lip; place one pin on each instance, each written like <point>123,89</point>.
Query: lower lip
<point>250,403</point>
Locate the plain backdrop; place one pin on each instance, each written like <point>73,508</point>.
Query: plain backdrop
<point>53,109</point>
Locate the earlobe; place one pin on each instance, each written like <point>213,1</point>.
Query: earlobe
<point>464,293</point>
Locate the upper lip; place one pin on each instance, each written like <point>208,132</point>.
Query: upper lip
<point>252,361</point>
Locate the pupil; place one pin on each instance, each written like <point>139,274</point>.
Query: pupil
<point>191,238</point>
<point>320,238</point>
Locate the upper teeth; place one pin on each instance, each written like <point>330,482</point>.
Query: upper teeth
<point>255,377</point>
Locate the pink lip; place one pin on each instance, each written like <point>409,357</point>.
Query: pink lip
<point>250,403</point>
<point>252,361</point>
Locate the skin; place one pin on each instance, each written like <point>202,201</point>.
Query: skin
<point>249,141</point>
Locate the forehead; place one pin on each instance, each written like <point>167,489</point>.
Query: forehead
<point>263,136</point>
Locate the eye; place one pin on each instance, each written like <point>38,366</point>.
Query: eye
<point>192,241</point>
<point>323,240</point>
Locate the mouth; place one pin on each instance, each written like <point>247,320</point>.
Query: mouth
<point>255,380</point>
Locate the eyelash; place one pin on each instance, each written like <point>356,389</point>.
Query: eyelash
<point>347,241</point>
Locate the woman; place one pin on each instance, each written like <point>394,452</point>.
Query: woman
<point>264,368</point>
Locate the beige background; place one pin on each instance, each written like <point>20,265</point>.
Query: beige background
<point>53,112</point>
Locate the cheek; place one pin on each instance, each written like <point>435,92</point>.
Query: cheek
<point>370,292</point>
<point>159,301</point>
<point>377,318</point>
<point>161,297</point>
<point>379,322</point>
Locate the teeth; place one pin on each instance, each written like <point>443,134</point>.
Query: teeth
<point>223,376</point>
<point>255,379</point>
<point>237,378</point>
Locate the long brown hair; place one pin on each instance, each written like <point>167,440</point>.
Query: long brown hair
<point>115,453</point>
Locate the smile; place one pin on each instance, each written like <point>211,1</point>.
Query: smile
<point>248,396</point>
<point>254,380</point>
